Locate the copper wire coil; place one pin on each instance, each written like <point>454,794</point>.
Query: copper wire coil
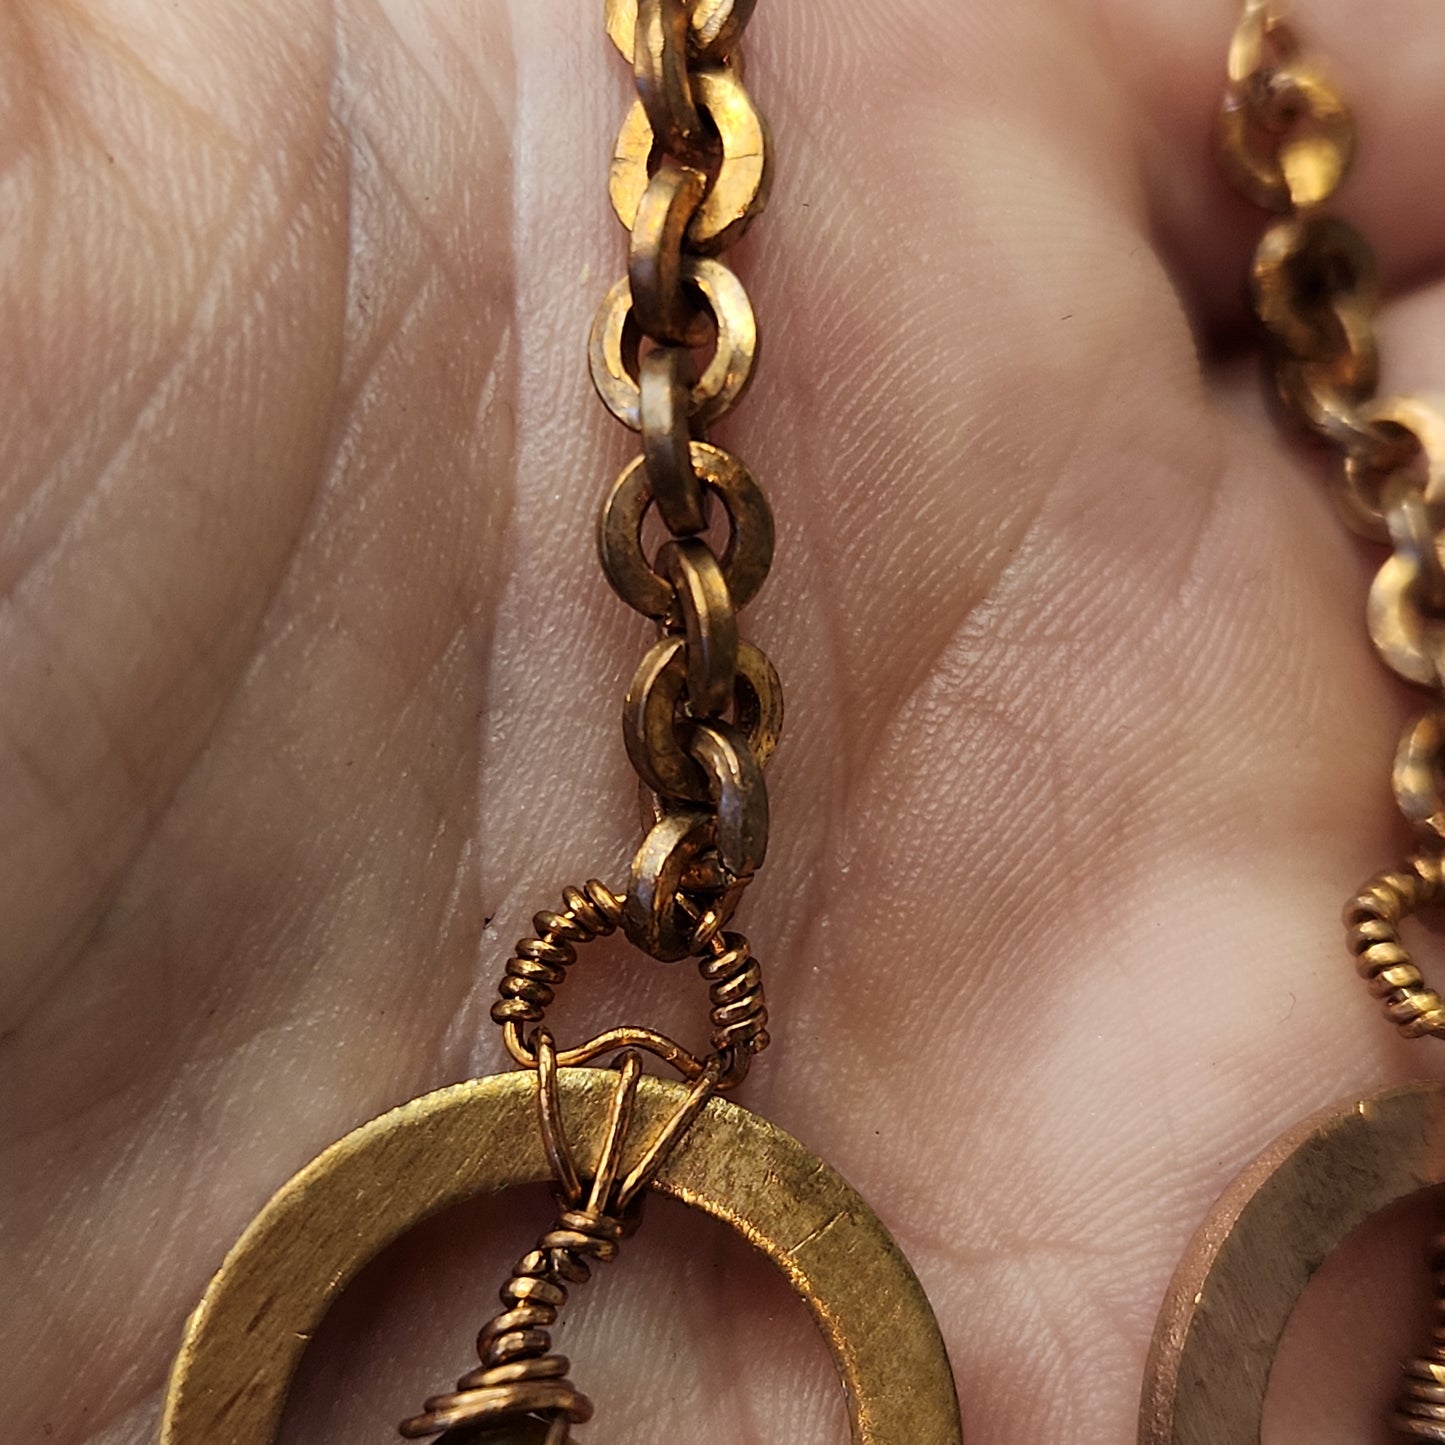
<point>1420,1405</point>
<point>540,962</point>
<point>519,1376</point>
<point>1373,920</point>
<point>735,990</point>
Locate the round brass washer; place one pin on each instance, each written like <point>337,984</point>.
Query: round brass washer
<point>244,1341</point>
<point>739,190</point>
<point>1246,1268</point>
<point>713,26</point>
<point>612,347</point>
<point>745,561</point>
<point>650,722</point>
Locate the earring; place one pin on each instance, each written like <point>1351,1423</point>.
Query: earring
<point>1286,140</point>
<point>700,720</point>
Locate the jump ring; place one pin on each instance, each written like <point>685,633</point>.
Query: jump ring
<point>667,441</point>
<point>659,63</point>
<point>661,309</point>
<point>710,624</point>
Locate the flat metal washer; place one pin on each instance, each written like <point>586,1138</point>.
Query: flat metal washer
<point>245,1340</point>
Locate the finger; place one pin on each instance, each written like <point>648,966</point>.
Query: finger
<point>1389,61</point>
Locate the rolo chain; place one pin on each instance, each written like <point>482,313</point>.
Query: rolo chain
<point>704,710</point>
<point>1286,139</point>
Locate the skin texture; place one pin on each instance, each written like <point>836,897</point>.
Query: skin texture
<point>308,679</point>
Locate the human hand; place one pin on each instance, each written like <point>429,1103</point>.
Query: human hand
<point>311,680</point>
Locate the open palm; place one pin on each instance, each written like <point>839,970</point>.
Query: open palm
<point>310,680</point>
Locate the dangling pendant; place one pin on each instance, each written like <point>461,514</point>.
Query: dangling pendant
<point>244,1341</point>
<point>1249,1263</point>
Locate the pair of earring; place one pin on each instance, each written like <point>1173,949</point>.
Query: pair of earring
<point>701,718</point>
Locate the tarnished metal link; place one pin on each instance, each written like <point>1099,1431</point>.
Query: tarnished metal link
<point>1285,137</point>
<point>654,723</point>
<point>713,30</point>
<point>708,621</point>
<point>652,914</point>
<point>664,87</point>
<point>613,346</point>
<point>743,176</point>
<point>1409,638</point>
<point>1406,450</point>
<point>1314,284</point>
<point>1415,532</point>
<point>738,795</point>
<point>661,306</point>
<point>1419,773</point>
<point>745,560</point>
<point>676,488</point>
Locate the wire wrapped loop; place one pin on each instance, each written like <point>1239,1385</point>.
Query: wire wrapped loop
<point>539,965</point>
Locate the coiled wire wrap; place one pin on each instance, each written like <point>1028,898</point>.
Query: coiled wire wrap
<point>521,1384</point>
<point>539,963</point>
<point>519,1375</point>
<point>1373,919</point>
<point>538,966</point>
<point>1420,1406</point>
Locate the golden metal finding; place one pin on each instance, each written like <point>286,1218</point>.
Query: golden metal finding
<point>617,333</point>
<point>1286,139</point>
<point>244,1341</point>
<point>740,189</point>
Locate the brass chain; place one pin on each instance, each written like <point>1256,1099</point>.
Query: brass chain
<point>704,710</point>
<point>1286,140</point>
<point>690,172</point>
